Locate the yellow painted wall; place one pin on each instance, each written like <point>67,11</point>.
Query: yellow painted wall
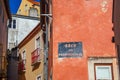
<point>23,11</point>
<point>31,74</point>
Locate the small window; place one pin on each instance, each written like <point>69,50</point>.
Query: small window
<point>33,12</point>
<point>14,24</point>
<point>24,57</point>
<point>103,71</point>
<point>39,78</point>
<point>10,24</point>
<point>38,42</point>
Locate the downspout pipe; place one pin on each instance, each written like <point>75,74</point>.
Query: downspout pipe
<point>49,16</point>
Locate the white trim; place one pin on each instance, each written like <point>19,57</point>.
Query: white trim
<point>24,50</point>
<point>36,42</point>
<point>106,69</point>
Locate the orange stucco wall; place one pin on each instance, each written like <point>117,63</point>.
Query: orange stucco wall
<point>88,21</point>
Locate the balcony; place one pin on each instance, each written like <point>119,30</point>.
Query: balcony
<point>21,66</point>
<point>35,56</point>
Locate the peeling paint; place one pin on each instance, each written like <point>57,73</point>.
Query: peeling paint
<point>104,5</point>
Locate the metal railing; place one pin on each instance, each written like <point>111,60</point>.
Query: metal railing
<point>21,66</point>
<point>35,56</point>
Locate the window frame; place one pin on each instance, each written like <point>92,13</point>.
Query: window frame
<point>10,24</point>
<point>36,45</point>
<point>14,24</point>
<point>24,51</point>
<point>103,64</point>
<point>31,13</point>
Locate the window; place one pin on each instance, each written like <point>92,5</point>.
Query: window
<point>14,24</point>
<point>103,71</point>
<point>24,57</point>
<point>39,78</point>
<point>38,42</point>
<point>33,12</point>
<point>9,24</point>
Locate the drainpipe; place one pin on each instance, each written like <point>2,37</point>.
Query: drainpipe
<point>49,16</point>
<point>46,53</point>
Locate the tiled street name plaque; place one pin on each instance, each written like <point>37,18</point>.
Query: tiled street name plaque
<point>70,49</point>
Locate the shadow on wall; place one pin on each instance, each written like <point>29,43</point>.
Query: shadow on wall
<point>36,66</point>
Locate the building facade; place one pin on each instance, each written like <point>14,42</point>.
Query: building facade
<point>29,8</point>
<point>4,16</point>
<point>19,27</point>
<point>80,46</point>
<point>31,56</point>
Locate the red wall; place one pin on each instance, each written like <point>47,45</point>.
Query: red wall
<point>88,21</point>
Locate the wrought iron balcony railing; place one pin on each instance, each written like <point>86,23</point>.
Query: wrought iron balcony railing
<point>21,66</point>
<point>35,56</point>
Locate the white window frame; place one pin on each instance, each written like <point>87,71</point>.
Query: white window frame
<point>103,65</point>
<point>36,42</point>
<point>38,76</point>
<point>24,57</point>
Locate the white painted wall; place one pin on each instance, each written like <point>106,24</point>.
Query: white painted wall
<point>24,25</point>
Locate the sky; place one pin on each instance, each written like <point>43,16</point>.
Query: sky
<point>37,0</point>
<point>14,5</point>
